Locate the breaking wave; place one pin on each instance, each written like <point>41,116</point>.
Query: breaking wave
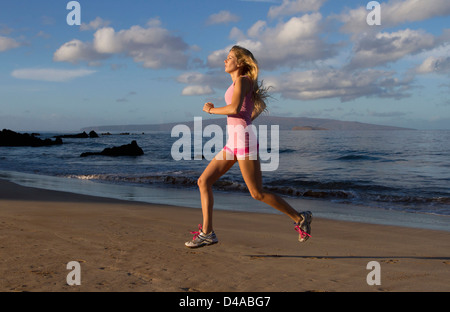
<point>344,191</point>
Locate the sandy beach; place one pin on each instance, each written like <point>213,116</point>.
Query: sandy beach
<point>139,247</point>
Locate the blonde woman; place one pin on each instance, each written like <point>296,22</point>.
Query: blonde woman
<point>245,102</point>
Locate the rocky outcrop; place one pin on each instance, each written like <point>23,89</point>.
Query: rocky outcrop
<point>131,149</point>
<point>11,138</point>
<point>93,134</point>
<point>83,135</point>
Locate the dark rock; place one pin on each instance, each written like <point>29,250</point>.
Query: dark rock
<point>93,134</point>
<point>83,135</point>
<point>11,138</point>
<point>125,150</point>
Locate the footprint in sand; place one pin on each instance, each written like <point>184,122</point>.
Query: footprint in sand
<point>390,261</point>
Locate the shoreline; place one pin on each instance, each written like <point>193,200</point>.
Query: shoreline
<point>134,246</point>
<point>189,197</point>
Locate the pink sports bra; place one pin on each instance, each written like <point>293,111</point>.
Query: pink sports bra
<point>244,117</point>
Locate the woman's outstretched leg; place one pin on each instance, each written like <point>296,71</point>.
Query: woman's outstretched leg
<point>251,172</point>
<point>215,169</point>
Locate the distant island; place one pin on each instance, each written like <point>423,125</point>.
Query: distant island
<point>307,128</point>
<point>285,123</point>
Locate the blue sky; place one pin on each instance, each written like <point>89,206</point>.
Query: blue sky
<point>145,62</point>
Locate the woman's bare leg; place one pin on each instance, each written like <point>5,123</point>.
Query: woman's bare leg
<point>211,174</point>
<point>251,172</point>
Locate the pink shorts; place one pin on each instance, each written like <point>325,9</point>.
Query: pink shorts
<point>242,143</point>
<point>242,153</point>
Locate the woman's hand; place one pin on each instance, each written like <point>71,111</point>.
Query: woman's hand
<point>207,107</point>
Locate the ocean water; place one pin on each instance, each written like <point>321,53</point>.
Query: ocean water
<point>405,171</point>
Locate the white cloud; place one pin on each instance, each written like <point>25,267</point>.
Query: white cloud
<point>8,44</point>
<point>257,29</point>
<point>291,43</point>
<point>215,79</point>
<point>197,90</point>
<point>223,17</point>
<point>49,74</point>
<point>346,72</point>
<point>397,12</point>
<point>394,12</point>
<point>192,77</point>
<point>440,65</point>
<point>292,7</point>
<point>378,49</point>
<point>75,51</point>
<point>153,46</point>
<point>95,24</point>
<point>237,34</point>
<point>332,83</point>
<point>107,42</point>
<point>202,84</point>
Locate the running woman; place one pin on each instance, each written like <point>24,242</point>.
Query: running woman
<point>245,102</point>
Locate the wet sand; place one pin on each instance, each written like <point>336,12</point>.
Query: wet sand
<point>126,246</point>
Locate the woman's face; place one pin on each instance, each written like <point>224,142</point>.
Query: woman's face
<point>231,63</point>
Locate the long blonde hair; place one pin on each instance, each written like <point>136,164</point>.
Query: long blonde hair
<point>251,69</point>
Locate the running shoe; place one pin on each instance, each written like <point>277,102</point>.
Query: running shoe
<point>304,227</point>
<point>201,239</point>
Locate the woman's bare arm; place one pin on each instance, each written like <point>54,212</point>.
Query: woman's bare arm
<point>241,88</point>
